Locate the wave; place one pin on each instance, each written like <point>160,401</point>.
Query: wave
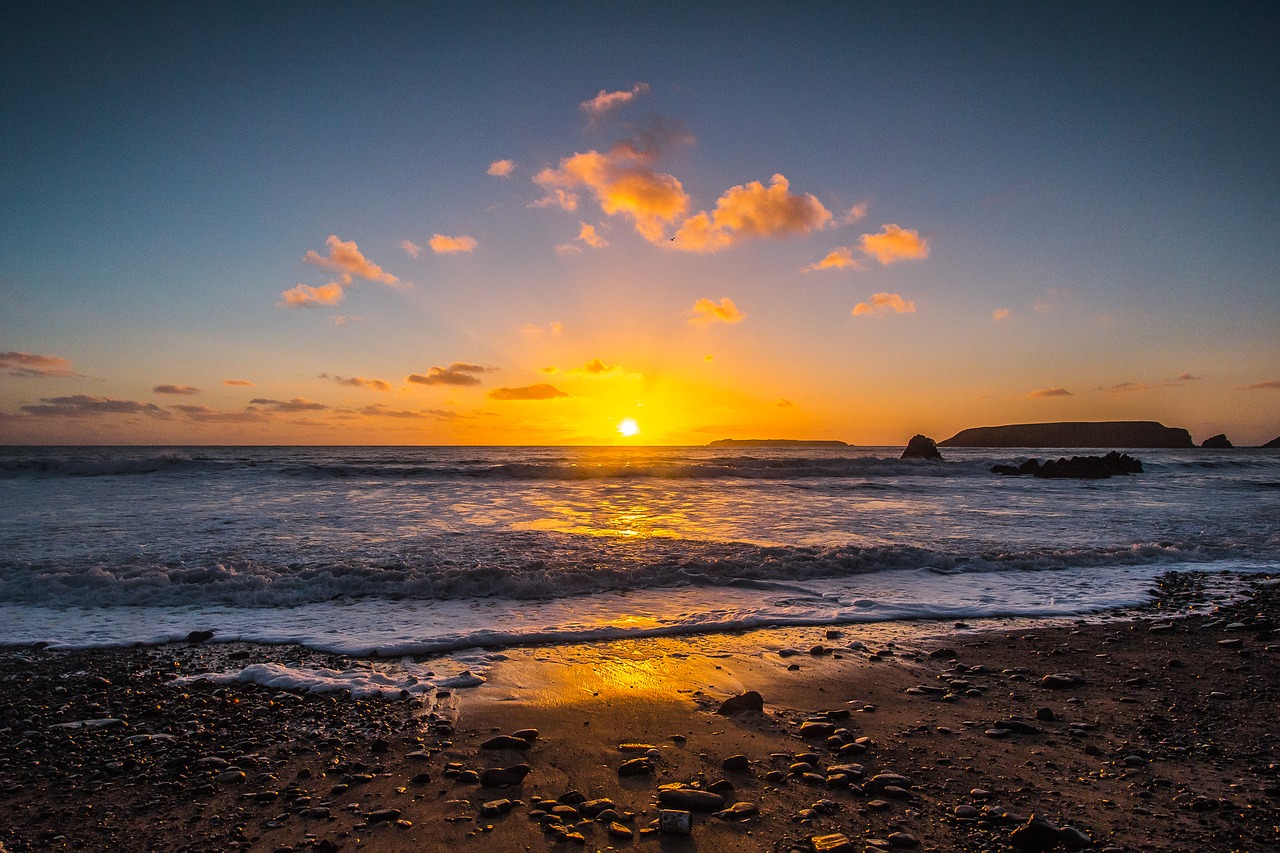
<point>673,468</point>
<point>519,573</point>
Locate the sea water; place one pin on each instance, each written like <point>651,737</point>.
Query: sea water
<point>413,550</point>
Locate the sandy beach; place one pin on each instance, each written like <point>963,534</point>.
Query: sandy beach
<point>1152,730</point>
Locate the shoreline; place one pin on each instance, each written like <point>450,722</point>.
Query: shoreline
<point>1166,741</point>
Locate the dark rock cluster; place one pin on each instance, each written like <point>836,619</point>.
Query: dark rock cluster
<point>1076,468</point>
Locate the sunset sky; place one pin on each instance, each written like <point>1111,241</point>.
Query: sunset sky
<point>313,223</point>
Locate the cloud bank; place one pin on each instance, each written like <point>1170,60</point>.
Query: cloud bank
<point>540,391</point>
<point>31,366</point>
<point>459,373</point>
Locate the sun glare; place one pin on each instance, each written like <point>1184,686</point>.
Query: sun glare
<point>628,427</point>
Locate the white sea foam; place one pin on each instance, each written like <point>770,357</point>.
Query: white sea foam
<point>400,680</point>
<point>413,627</point>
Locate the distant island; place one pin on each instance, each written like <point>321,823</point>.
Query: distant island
<point>774,442</point>
<point>1074,434</point>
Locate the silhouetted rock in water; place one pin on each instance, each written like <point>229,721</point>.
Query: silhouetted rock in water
<point>1074,434</point>
<point>1218,442</point>
<point>1075,468</point>
<point>775,442</point>
<point>921,447</point>
<point>1273,444</point>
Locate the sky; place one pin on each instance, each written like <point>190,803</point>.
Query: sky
<point>634,223</point>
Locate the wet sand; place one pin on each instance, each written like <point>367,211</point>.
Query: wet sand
<point>1140,733</point>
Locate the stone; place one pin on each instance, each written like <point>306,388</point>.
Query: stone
<point>618,830</point>
<point>735,763</point>
<point>592,808</point>
<point>505,742</point>
<point>199,636</point>
<point>636,767</point>
<point>749,701</point>
<point>229,777</point>
<point>503,777</point>
<point>739,811</point>
<point>1074,839</point>
<point>1076,468</point>
<point>903,839</point>
<point>921,447</point>
<point>493,808</point>
<point>835,842</point>
<point>880,781</point>
<point>529,735</point>
<point>1059,681</point>
<point>813,729</point>
<point>383,816</point>
<point>691,799</point>
<point>1037,835</point>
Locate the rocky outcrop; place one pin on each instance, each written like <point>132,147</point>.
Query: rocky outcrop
<point>921,447</point>
<point>1217,442</point>
<point>1273,444</point>
<point>1148,434</point>
<point>1075,468</point>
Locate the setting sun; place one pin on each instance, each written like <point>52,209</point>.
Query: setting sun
<point>628,427</point>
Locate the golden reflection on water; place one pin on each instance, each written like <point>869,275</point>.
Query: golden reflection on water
<point>624,511</point>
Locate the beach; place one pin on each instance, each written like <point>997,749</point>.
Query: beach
<point>1152,729</point>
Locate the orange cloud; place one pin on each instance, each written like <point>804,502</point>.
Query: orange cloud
<point>347,259</point>
<point>442,245</point>
<point>175,389</point>
<point>706,311</point>
<point>605,101</point>
<point>305,296</point>
<point>623,184</point>
<point>1127,388</point>
<point>540,391</point>
<point>205,414</point>
<point>29,365</point>
<point>459,374</point>
<point>360,382</point>
<point>856,213</point>
<point>752,210</point>
<point>87,405</point>
<point>530,330</point>
<point>837,259</point>
<point>378,410</point>
<point>1269,385</point>
<point>239,382</point>
<point>1040,393</point>
<point>297,404</point>
<point>1000,314</point>
<point>502,168</point>
<point>885,303</point>
<point>411,248</point>
<point>894,244</point>
<point>589,236</point>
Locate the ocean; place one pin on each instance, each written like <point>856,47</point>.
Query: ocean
<point>393,551</point>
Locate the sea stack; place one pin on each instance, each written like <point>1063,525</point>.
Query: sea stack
<point>1217,442</point>
<point>921,447</point>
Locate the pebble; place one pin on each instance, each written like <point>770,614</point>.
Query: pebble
<point>636,767</point>
<point>749,701</point>
<point>506,742</point>
<point>502,777</point>
<point>835,842</point>
<point>691,799</point>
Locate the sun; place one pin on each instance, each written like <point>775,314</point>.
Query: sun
<point>628,427</point>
